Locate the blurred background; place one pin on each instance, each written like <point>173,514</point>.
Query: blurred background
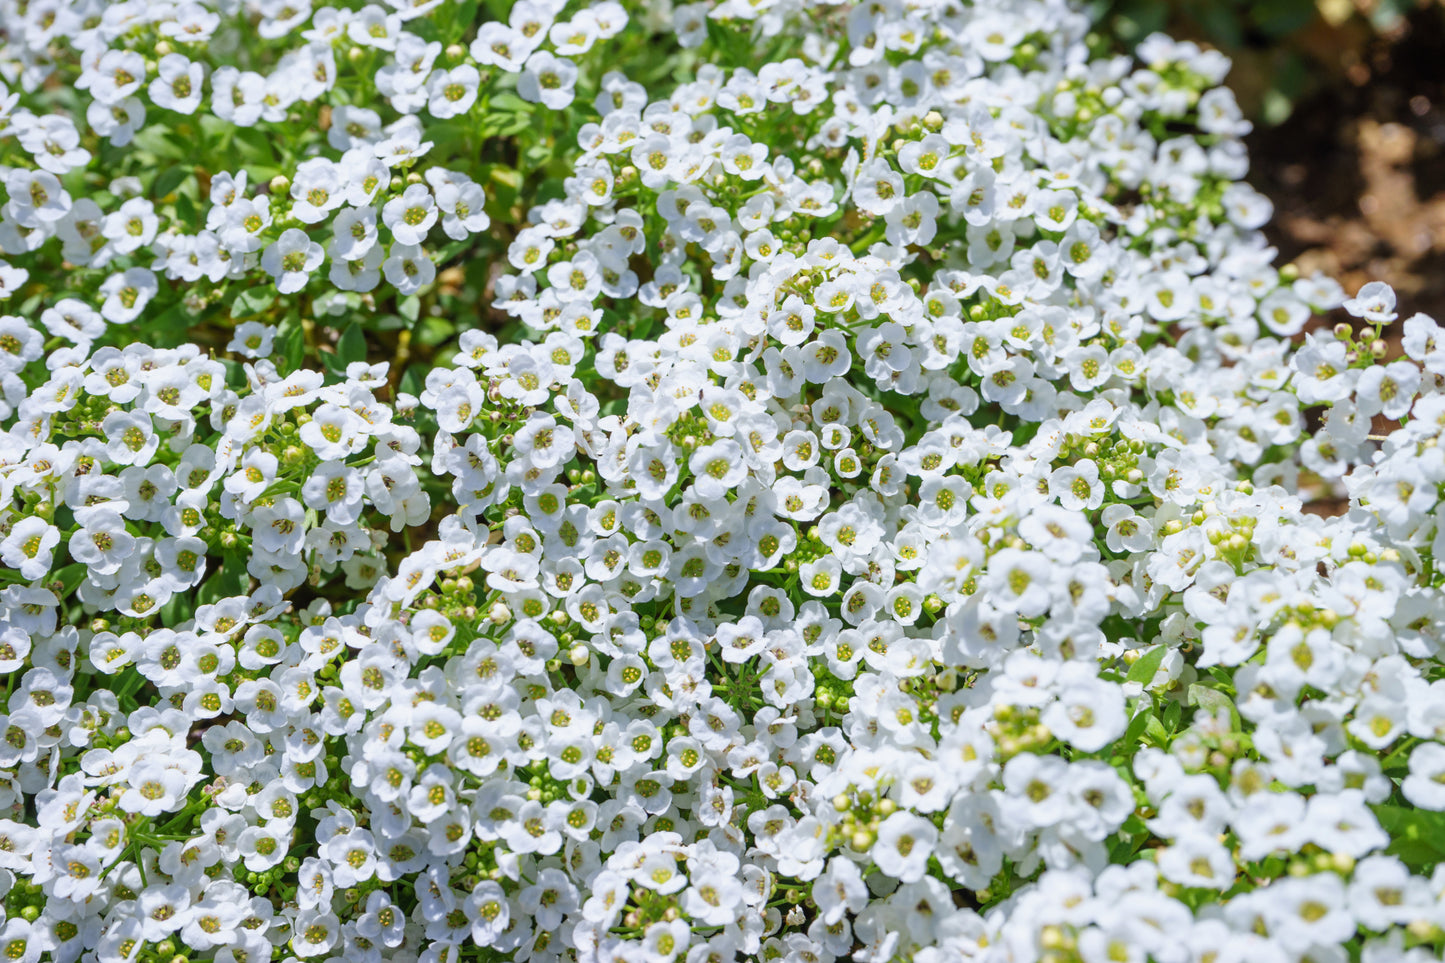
<point>1348,102</point>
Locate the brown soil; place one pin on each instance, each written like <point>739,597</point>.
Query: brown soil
<point>1357,173</point>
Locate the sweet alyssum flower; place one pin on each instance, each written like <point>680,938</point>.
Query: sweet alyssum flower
<point>863,513</point>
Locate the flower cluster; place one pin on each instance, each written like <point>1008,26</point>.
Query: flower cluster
<point>840,490</point>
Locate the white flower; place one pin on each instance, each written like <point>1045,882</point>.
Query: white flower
<point>451,93</point>
<point>252,339</point>
<point>355,233</point>
<point>408,268</point>
<point>317,190</point>
<point>333,432</point>
<point>36,197</point>
<point>548,80</point>
<point>411,215</point>
<point>28,547</point>
<point>127,295</point>
<point>1089,714</point>
<point>1424,786</point>
<point>1375,303</point>
<point>177,85</point>
<point>905,842</point>
<point>290,259</point>
<point>132,226</point>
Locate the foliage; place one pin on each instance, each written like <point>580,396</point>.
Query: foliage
<point>1291,45</point>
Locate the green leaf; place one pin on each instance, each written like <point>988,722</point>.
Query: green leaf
<point>126,684</point>
<point>169,180</point>
<point>153,138</point>
<point>186,211</point>
<point>230,578</point>
<point>253,301</point>
<point>451,250</point>
<point>409,307</point>
<point>1275,18</point>
<point>294,348</point>
<point>1417,835</point>
<point>1145,712</point>
<point>1222,22</point>
<point>433,331</point>
<point>1400,757</point>
<point>253,145</point>
<point>1172,712</point>
<point>175,323</point>
<point>466,11</point>
<point>1143,670</point>
<point>413,381</point>
<point>1211,700</point>
<point>506,176</point>
<point>351,346</point>
<point>71,576</point>
<point>1123,847</point>
<point>509,102</point>
<point>235,373</point>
